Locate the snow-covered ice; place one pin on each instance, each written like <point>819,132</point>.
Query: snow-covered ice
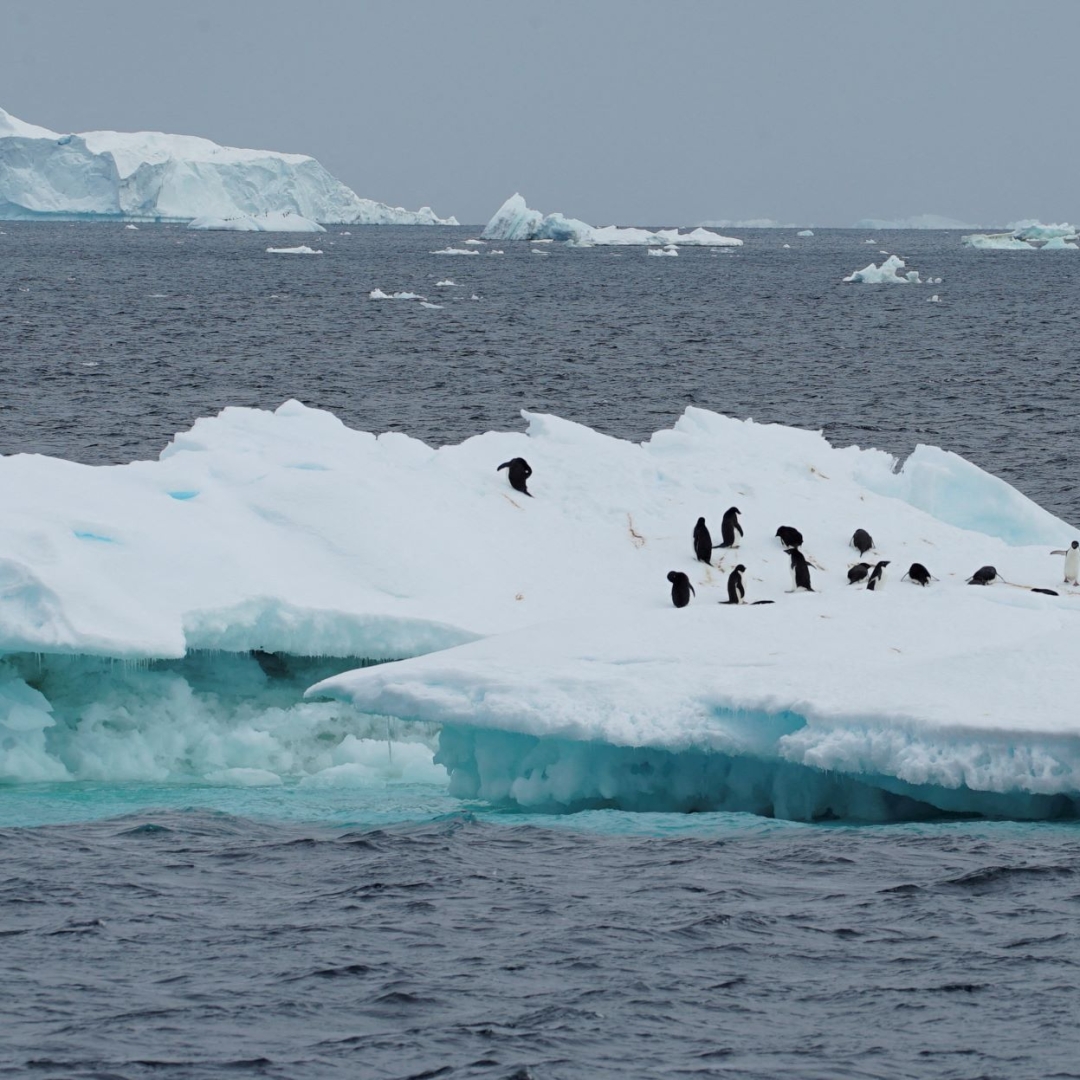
<point>541,639</point>
<point>303,249</point>
<point>515,221</point>
<point>151,176</point>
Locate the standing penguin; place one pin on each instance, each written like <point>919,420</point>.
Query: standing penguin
<point>918,574</point>
<point>877,576</point>
<point>729,526</point>
<point>790,537</point>
<point>862,541</point>
<point>703,545</point>
<point>800,571</point>
<point>680,588</point>
<point>1072,561</point>
<point>858,572</point>
<point>983,576</point>
<point>736,591</point>
<point>518,471</point>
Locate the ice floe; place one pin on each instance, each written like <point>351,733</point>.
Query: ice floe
<point>303,249</point>
<point>515,221</point>
<point>1028,235</point>
<point>541,640</point>
<point>455,251</point>
<point>273,221</point>
<point>888,273</point>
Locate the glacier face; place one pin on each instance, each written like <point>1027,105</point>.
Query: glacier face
<point>515,221</point>
<point>541,639</point>
<point>151,176</point>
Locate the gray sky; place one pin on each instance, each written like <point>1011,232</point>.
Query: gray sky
<point>615,111</point>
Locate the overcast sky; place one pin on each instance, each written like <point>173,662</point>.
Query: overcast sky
<point>615,111</point>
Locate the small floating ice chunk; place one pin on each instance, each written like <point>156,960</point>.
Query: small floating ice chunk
<point>446,283</point>
<point>787,245</point>
<point>303,249</point>
<point>1058,243</point>
<point>670,249</point>
<point>495,251</point>
<point>432,307</point>
<point>378,294</point>
<point>133,228</point>
<point>345,234</point>
<point>473,240</point>
<point>454,251</point>
<point>886,274</point>
<point>805,232</point>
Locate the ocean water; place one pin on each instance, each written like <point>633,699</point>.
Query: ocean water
<point>186,930</point>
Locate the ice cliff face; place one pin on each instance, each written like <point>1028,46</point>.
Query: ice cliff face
<point>148,175</point>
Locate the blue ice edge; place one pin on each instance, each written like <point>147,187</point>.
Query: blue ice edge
<point>558,775</point>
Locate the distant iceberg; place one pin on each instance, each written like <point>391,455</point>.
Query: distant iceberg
<point>269,222</point>
<point>919,221</point>
<point>515,221</point>
<point>151,176</point>
<point>888,273</point>
<point>1028,235</point>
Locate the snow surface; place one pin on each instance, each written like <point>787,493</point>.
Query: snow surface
<point>538,633</point>
<point>515,221</point>
<point>148,175</point>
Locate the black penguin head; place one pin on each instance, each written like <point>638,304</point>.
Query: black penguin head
<point>734,510</point>
<point>740,569</point>
<point>673,576</point>
<point>884,562</point>
<point>701,521</point>
<point>1075,544</point>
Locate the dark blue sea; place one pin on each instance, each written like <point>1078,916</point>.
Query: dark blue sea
<point>175,930</point>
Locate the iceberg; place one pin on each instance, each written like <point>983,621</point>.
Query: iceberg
<point>888,273</point>
<point>269,222</point>
<point>162,619</point>
<point>805,232</point>
<point>1025,235</point>
<point>515,221</point>
<point>919,221</point>
<point>151,176</point>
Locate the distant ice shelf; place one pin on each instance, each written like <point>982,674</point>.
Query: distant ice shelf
<point>151,176</point>
<point>515,221</point>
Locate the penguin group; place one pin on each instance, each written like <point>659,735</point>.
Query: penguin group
<point>870,575</point>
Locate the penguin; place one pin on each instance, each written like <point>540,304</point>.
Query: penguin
<point>518,470</point>
<point>800,571</point>
<point>862,541</point>
<point>918,574</point>
<point>983,576</point>
<point>877,576</point>
<point>680,588</point>
<point>789,537</point>
<point>729,526</point>
<point>703,545</point>
<point>858,572</point>
<point>1072,561</point>
<point>736,591</point>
